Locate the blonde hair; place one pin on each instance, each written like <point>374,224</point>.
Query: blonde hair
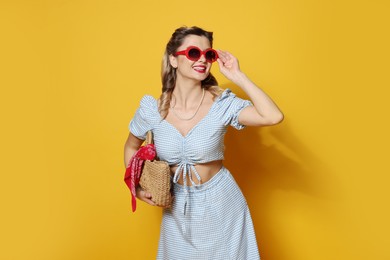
<point>168,73</point>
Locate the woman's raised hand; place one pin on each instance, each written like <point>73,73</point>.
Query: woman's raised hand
<point>228,65</point>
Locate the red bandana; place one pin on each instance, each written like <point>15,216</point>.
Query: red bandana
<point>134,169</point>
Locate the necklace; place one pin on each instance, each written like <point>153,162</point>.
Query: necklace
<point>196,111</point>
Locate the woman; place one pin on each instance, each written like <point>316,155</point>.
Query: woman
<point>209,217</point>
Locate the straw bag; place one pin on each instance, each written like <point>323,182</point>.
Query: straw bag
<point>152,175</point>
<point>156,178</point>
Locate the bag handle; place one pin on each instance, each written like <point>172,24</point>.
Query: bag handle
<point>149,137</point>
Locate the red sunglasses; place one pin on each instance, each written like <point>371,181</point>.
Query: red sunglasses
<point>194,53</point>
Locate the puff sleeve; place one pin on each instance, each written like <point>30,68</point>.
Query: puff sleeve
<point>230,108</point>
<point>145,117</point>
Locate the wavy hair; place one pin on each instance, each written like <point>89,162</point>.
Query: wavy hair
<point>168,73</point>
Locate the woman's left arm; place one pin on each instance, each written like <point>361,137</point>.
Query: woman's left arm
<point>265,111</point>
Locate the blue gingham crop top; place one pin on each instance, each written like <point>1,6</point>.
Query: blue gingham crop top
<point>202,144</point>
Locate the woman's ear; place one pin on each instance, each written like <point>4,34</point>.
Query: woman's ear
<point>173,61</point>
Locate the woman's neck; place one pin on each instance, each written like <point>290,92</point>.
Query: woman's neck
<point>187,95</point>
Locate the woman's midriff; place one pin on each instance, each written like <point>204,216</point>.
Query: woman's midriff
<point>205,170</point>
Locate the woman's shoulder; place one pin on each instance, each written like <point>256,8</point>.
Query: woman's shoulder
<point>148,101</point>
<point>148,106</point>
<point>229,100</point>
<point>225,96</point>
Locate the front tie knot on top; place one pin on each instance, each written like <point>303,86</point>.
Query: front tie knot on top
<point>185,168</point>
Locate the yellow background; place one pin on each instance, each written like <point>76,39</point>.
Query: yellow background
<point>72,74</point>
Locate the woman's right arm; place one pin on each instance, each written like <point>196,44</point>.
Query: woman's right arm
<point>131,146</point>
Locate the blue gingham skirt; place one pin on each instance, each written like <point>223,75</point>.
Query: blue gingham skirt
<point>208,222</point>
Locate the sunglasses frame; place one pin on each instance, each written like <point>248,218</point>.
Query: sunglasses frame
<point>189,48</point>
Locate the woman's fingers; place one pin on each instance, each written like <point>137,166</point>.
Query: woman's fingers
<point>228,64</point>
<point>150,202</point>
<point>225,55</point>
<point>145,196</point>
<point>222,56</point>
<point>148,198</point>
<point>227,59</point>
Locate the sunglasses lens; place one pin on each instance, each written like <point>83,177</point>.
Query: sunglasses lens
<point>211,56</point>
<point>194,54</point>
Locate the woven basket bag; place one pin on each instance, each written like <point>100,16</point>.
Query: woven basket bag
<point>156,179</point>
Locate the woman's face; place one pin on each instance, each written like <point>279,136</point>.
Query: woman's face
<point>188,69</point>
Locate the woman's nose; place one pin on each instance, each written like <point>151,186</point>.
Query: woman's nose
<point>202,58</point>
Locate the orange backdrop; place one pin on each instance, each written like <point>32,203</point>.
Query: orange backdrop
<point>72,75</point>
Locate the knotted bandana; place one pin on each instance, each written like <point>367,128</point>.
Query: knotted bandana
<point>134,170</point>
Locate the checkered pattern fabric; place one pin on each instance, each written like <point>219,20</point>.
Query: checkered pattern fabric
<point>209,220</point>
